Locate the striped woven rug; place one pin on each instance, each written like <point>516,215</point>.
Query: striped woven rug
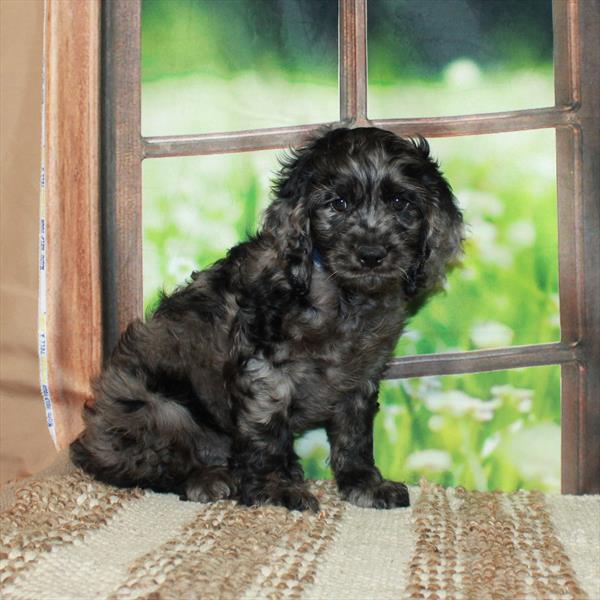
<point>66,536</point>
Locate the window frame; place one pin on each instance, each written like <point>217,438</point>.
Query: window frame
<point>70,294</point>
<point>575,118</point>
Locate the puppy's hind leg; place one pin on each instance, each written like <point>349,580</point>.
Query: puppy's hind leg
<point>137,437</point>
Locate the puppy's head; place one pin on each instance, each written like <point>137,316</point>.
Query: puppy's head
<point>372,208</point>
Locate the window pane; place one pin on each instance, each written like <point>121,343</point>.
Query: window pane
<point>452,57</point>
<point>213,65</point>
<point>484,431</point>
<point>506,291</point>
<point>196,208</point>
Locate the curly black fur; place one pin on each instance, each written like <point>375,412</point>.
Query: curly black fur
<point>290,331</point>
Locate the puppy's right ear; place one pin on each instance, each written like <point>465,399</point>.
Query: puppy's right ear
<point>287,221</point>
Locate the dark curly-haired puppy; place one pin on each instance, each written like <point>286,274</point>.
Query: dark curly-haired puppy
<point>290,331</point>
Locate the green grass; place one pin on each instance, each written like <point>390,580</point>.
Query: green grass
<point>496,430</point>
<point>483,431</point>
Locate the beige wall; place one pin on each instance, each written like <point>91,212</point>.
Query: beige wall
<point>25,445</point>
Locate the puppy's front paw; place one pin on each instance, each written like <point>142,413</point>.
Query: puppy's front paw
<point>381,494</point>
<point>293,496</point>
<point>209,484</point>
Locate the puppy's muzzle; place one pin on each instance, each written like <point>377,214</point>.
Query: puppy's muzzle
<point>371,256</point>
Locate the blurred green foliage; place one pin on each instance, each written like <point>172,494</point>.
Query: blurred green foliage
<point>226,37</point>
<point>487,431</point>
<point>420,37</point>
<point>215,65</point>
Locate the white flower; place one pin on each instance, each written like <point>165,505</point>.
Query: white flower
<point>551,481</point>
<point>524,405</point>
<point>491,334</point>
<point>459,404</point>
<point>516,426</point>
<point>468,274</point>
<point>453,401</point>
<point>429,460</point>
<point>389,420</point>
<point>479,204</point>
<point>436,423</point>
<point>185,217</point>
<point>153,278</point>
<point>484,235</point>
<point>311,441</point>
<point>180,267</point>
<point>497,255</point>
<point>418,387</point>
<point>554,318</point>
<point>508,393</point>
<point>522,234</point>
<point>412,334</point>
<point>484,410</point>
<point>543,165</point>
<point>483,413</point>
<point>490,444</point>
<point>535,452</point>
<point>426,386</point>
<point>462,73</point>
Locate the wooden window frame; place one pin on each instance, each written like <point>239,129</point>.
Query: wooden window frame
<point>101,212</point>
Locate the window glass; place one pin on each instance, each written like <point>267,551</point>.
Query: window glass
<point>506,290</point>
<point>222,65</point>
<point>452,57</point>
<point>212,65</point>
<point>484,431</point>
<point>196,208</point>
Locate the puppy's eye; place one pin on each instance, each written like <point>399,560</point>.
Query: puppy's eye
<point>399,202</point>
<point>339,204</point>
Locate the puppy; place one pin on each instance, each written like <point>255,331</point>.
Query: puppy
<point>290,331</point>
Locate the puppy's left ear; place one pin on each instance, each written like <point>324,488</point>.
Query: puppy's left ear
<point>287,220</point>
<point>442,234</point>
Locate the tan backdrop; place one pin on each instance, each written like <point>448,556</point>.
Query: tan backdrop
<point>25,445</point>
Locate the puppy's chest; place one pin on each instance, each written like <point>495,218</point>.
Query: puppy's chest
<point>347,341</point>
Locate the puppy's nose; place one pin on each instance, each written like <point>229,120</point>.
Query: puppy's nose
<point>371,256</point>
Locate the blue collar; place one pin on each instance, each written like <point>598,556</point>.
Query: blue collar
<point>317,259</point>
